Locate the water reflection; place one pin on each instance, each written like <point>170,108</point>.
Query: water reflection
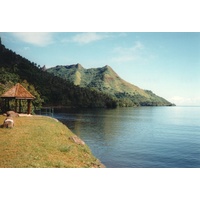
<point>112,134</point>
<point>97,122</point>
<point>138,137</point>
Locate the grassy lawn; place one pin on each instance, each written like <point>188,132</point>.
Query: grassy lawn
<point>42,142</point>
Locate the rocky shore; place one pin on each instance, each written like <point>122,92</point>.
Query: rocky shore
<point>43,142</point>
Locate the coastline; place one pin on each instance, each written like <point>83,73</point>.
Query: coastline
<point>43,142</point>
<point>101,165</point>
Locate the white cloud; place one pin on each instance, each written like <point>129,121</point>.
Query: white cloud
<point>186,101</point>
<point>85,38</point>
<point>35,38</point>
<point>123,54</point>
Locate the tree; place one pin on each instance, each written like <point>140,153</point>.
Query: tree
<point>44,68</point>
<point>37,103</point>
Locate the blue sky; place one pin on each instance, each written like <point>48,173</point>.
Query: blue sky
<point>168,63</point>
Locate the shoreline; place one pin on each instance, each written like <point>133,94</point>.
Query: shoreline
<point>38,141</point>
<point>101,164</point>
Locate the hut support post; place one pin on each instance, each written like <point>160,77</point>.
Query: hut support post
<point>20,106</point>
<point>7,104</point>
<point>29,107</point>
<point>15,105</point>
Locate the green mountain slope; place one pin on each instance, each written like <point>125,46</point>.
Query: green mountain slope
<point>106,80</point>
<point>53,90</point>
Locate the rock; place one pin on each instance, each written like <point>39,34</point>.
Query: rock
<point>77,140</point>
<point>98,164</point>
<point>12,114</point>
<point>8,123</point>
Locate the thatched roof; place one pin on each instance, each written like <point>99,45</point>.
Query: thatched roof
<point>18,92</point>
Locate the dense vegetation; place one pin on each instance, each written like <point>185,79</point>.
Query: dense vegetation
<point>71,86</point>
<point>49,90</point>
<point>106,80</point>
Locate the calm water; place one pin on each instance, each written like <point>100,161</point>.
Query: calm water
<point>139,137</point>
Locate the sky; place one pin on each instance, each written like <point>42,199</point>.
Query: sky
<point>167,63</point>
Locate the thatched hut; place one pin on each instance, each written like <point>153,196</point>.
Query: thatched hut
<point>17,93</point>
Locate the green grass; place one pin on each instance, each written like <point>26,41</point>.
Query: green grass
<point>42,142</point>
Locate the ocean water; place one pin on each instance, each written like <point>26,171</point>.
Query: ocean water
<point>143,137</point>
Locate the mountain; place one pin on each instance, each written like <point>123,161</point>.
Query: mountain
<point>51,90</point>
<point>106,80</point>
<point>72,85</point>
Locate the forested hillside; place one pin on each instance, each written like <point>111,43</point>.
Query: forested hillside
<point>49,89</point>
<point>72,85</point>
<point>106,80</point>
